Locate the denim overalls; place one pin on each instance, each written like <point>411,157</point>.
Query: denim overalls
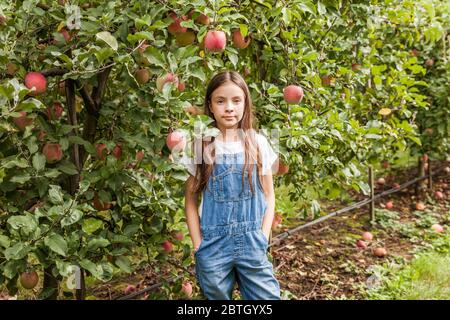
<point>233,246</point>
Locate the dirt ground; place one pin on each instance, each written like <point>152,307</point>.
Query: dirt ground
<point>323,261</point>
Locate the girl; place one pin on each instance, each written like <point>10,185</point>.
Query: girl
<point>230,236</point>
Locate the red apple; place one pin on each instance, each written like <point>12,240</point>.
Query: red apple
<point>101,151</point>
<point>186,289</point>
<point>141,58</point>
<point>293,94</point>
<point>11,68</point>
<point>167,78</point>
<point>100,205</point>
<point>178,235</point>
<point>239,41</point>
<point>23,121</point>
<point>389,205</point>
<point>167,246</point>
<point>36,80</point>
<point>176,139</point>
<point>175,27</point>
<point>420,205</point>
<point>181,86</point>
<point>65,34</point>
<point>29,279</point>
<point>215,41</point>
<point>193,110</point>
<point>201,19</point>
<point>129,289</point>
<point>326,81</point>
<point>380,252</point>
<point>429,131</point>
<point>437,228</point>
<point>281,169</point>
<point>142,76</point>
<point>361,244</point>
<point>185,38</point>
<point>41,135</point>
<point>55,112</point>
<point>139,155</point>
<point>439,195</point>
<point>277,219</point>
<point>355,66</point>
<point>52,152</point>
<point>367,236</point>
<point>3,19</point>
<point>117,151</point>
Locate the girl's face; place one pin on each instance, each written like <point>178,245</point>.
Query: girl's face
<point>227,105</point>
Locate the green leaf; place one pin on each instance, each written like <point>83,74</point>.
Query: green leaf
<point>102,271</point>
<point>55,194</point>
<point>198,73</point>
<point>131,229</point>
<point>52,173</point>
<point>4,241</point>
<point>39,161</point>
<point>154,56</point>
<point>91,225</point>
<point>17,251</point>
<point>96,243</point>
<point>321,8</point>
<point>27,224</point>
<point>109,39</point>
<point>57,244</point>
<point>21,178</point>
<point>123,263</point>
<point>233,58</point>
<point>74,216</point>
<point>32,145</point>
<point>68,168</point>
<point>20,163</point>
<point>364,187</point>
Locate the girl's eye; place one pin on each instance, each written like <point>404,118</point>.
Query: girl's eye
<point>237,101</point>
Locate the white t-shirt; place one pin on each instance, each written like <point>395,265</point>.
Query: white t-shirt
<point>268,156</point>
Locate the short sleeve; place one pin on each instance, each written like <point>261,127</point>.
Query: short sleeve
<point>268,156</point>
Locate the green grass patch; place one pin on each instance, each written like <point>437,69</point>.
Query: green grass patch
<point>426,277</point>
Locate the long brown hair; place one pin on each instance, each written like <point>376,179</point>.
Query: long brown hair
<point>246,132</point>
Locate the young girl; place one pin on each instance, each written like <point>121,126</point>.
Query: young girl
<point>230,230</point>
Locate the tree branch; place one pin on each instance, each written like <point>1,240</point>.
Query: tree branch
<point>54,72</point>
<point>90,104</point>
<point>99,90</point>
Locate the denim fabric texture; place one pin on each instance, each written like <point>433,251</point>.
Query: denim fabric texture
<point>233,247</point>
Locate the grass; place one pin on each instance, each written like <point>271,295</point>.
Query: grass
<point>427,277</point>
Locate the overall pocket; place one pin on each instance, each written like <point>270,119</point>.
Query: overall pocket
<point>227,186</point>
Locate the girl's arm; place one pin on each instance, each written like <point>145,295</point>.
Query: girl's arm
<point>191,211</point>
<point>269,193</point>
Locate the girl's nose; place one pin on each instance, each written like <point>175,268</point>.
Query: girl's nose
<point>229,106</point>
